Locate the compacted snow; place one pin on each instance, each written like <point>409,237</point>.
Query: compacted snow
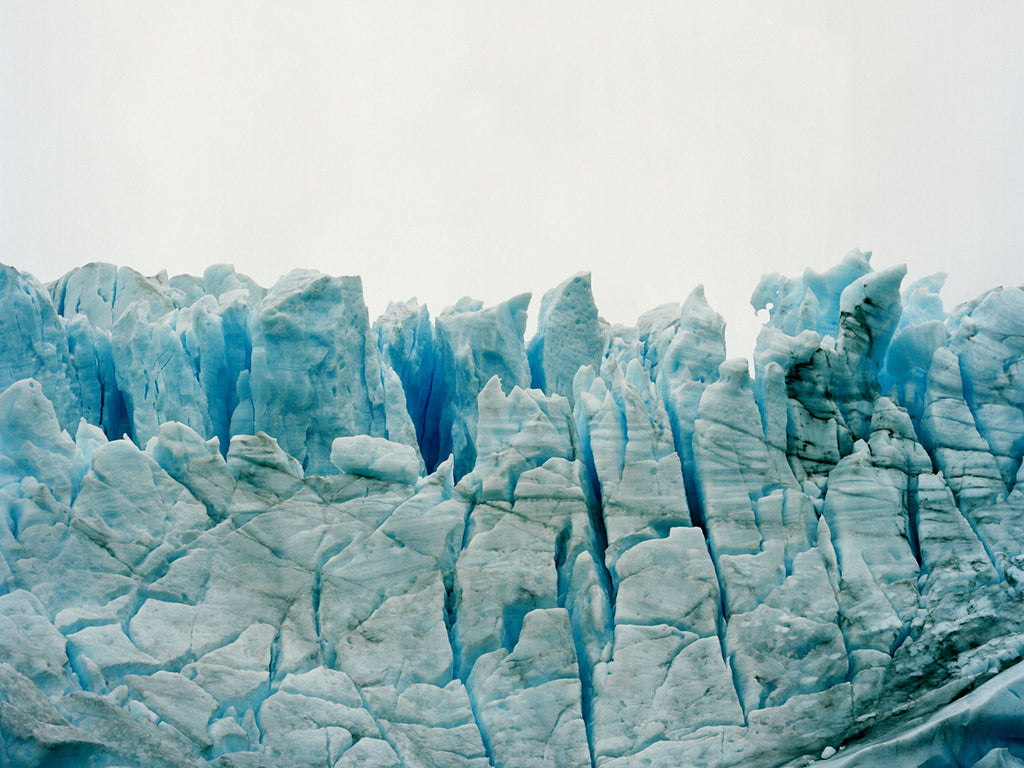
<point>246,527</point>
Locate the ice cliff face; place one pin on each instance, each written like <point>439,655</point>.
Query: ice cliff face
<point>245,527</point>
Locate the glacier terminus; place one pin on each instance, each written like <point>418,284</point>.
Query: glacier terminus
<point>254,528</point>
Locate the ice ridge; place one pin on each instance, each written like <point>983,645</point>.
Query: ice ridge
<point>245,527</point>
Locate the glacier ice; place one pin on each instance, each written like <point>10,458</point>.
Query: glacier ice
<point>246,527</point>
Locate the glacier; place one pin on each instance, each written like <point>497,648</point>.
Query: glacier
<point>247,527</point>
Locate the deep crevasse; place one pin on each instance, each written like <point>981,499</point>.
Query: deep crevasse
<point>628,550</point>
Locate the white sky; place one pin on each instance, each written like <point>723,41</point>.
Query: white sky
<point>486,149</point>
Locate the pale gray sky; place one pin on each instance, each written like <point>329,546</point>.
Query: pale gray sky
<point>481,148</point>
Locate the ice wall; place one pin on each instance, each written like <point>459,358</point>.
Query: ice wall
<point>249,527</point>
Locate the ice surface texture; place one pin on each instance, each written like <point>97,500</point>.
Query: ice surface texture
<point>246,527</point>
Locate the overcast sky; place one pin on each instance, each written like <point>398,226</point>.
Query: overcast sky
<point>487,149</point>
